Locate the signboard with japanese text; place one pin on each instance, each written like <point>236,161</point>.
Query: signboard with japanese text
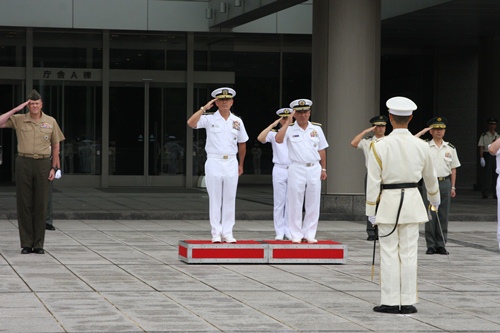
<point>67,74</point>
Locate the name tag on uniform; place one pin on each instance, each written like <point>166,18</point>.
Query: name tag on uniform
<point>295,136</point>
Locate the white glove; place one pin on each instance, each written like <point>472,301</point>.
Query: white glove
<point>372,219</point>
<point>58,174</point>
<point>482,162</point>
<point>435,204</point>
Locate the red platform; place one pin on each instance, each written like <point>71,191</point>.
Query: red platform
<point>204,251</point>
<point>322,252</point>
<point>267,251</point>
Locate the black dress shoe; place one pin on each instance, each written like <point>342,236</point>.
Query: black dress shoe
<point>49,227</point>
<point>406,309</point>
<point>26,250</point>
<point>38,251</point>
<point>442,250</point>
<point>387,308</point>
<point>372,238</point>
<point>430,250</point>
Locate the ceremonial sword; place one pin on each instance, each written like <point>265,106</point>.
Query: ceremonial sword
<point>434,209</point>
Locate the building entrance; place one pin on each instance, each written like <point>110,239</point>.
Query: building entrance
<point>10,95</point>
<point>147,134</point>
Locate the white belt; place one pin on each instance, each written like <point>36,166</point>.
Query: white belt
<point>308,164</point>
<point>283,166</point>
<point>222,157</point>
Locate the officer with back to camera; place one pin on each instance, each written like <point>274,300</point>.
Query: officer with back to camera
<point>395,166</point>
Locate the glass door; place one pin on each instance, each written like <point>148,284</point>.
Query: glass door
<point>126,129</point>
<point>167,130</point>
<point>147,132</point>
<point>11,95</point>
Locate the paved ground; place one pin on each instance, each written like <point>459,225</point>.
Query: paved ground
<point>171,203</point>
<point>123,275</point>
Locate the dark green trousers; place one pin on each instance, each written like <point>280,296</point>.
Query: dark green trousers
<point>32,187</point>
<point>433,236</point>
<point>49,220</point>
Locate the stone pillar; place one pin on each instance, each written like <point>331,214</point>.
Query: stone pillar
<point>345,84</point>
<point>345,92</point>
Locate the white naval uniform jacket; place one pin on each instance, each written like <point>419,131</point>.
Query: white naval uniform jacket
<point>400,158</point>
<point>304,145</point>
<point>280,151</point>
<point>223,135</point>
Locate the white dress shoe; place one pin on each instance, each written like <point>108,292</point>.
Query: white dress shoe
<point>312,241</point>
<point>229,240</point>
<point>297,241</point>
<point>278,238</point>
<point>216,239</point>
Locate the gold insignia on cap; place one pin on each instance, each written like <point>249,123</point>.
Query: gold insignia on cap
<point>287,111</point>
<point>439,119</point>
<point>302,102</point>
<point>225,92</point>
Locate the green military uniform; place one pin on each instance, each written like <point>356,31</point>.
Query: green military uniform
<point>33,164</point>
<point>445,159</point>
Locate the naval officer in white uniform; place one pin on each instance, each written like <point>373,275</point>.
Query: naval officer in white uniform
<point>395,166</point>
<point>280,174</point>
<point>226,138</point>
<point>307,152</point>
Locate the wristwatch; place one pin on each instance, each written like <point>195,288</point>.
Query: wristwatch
<point>55,168</point>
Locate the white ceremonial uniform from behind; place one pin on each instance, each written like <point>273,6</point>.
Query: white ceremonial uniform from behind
<point>399,158</point>
<point>304,179</point>
<point>221,169</point>
<point>280,185</point>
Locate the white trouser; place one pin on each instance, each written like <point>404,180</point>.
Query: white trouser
<point>304,189</point>
<point>280,180</point>
<point>498,211</point>
<point>221,179</point>
<point>398,264</point>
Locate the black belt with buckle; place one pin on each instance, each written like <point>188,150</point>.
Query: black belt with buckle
<point>398,186</point>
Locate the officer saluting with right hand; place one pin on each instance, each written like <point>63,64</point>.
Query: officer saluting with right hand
<point>226,137</point>
<point>307,152</point>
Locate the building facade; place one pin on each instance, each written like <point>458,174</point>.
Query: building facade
<point>123,76</point>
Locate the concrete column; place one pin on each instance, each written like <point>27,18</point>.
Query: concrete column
<point>345,84</point>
